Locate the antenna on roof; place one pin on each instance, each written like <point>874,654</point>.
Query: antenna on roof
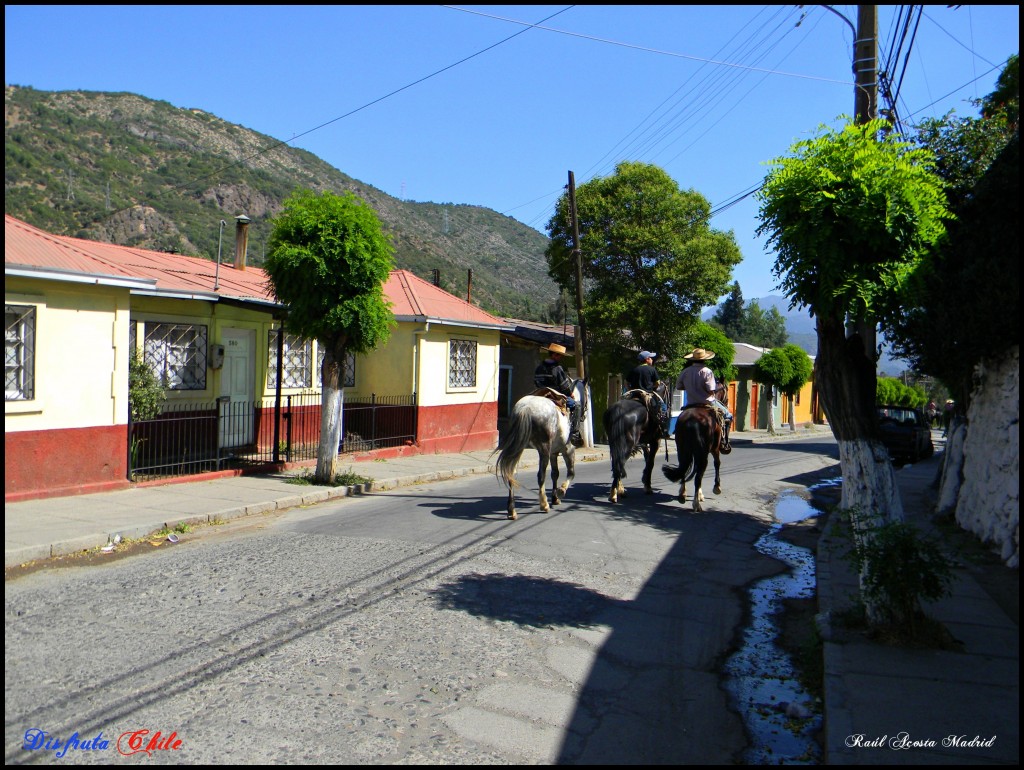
<point>216,272</point>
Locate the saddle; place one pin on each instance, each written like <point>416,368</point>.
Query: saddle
<point>645,397</point>
<point>652,403</point>
<point>558,399</point>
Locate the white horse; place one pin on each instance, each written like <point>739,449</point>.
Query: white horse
<point>538,421</point>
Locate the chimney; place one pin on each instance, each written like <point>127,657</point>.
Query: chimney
<point>241,240</point>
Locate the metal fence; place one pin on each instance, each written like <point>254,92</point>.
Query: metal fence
<point>191,438</point>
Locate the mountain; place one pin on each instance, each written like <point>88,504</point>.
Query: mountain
<point>121,168</point>
<point>801,332</point>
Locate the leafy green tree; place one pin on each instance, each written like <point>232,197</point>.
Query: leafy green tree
<point>1004,102</point>
<point>650,260</point>
<point>763,328</point>
<point>707,336</point>
<point>775,370</point>
<point>892,391</point>
<point>328,259</point>
<point>730,315</point>
<point>943,330</point>
<point>851,215</point>
<point>802,367</point>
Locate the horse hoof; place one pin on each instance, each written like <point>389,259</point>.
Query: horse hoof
<point>513,515</point>
<point>718,490</point>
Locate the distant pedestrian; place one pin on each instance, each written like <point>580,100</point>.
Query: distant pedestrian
<point>933,414</point>
<point>947,415</point>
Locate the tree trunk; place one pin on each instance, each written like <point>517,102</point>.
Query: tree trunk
<point>847,383</point>
<point>770,394</point>
<point>330,417</point>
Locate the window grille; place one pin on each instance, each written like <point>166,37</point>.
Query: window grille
<point>177,353</point>
<point>462,363</point>
<point>297,355</point>
<point>350,368</point>
<point>19,352</point>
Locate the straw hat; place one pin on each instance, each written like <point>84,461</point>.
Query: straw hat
<point>699,354</point>
<point>554,348</point>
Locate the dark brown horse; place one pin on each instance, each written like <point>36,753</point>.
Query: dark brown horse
<point>632,426</point>
<point>698,434</point>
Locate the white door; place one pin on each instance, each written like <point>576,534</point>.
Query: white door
<point>236,383</point>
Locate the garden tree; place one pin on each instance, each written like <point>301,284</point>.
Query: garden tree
<point>328,259</point>
<point>729,316</point>
<point>773,369</point>
<point>650,261</point>
<point>146,393</point>
<point>802,367</point>
<point>851,215</point>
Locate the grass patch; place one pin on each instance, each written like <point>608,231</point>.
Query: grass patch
<point>343,479</point>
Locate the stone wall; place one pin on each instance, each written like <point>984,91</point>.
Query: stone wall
<point>988,502</point>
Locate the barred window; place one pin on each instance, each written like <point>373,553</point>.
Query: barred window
<point>19,352</point>
<point>177,353</point>
<point>350,368</point>
<point>297,361</point>
<point>462,363</point>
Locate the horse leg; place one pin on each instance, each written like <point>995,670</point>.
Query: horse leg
<point>718,466</point>
<point>512,504</point>
<point>650,453</point>
<point>569,455</point>
<point>698,479</point>
<point>556,492</point>
<point>542,471</point>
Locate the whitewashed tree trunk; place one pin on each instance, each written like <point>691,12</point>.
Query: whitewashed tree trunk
<point>771,410</point>
<point>333,376</point>
<point>872,497</point>
<point>330,435</point>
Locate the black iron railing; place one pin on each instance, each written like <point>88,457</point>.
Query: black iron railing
<point>200,437</point>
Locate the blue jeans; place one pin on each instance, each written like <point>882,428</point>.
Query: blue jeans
<point>724,409</point>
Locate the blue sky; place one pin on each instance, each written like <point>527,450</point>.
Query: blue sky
<point>472,105</point>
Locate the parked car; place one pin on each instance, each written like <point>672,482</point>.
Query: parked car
<point>905,432</point>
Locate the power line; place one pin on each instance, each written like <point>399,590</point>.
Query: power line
<point>278,144</point>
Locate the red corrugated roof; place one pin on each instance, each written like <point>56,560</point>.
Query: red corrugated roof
<point>28,247</point>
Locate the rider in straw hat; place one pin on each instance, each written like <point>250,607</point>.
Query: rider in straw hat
<point>550,374</point>
<point>698,382</point>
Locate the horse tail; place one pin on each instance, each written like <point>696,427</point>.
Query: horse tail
<point>688,442</point>
<point>618,441</point>
<point>512,444</point>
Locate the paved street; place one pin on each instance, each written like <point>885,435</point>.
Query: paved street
<point>413,626</point>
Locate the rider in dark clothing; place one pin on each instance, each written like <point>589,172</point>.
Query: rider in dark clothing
<point>645,377</point>
<point>550,374</point>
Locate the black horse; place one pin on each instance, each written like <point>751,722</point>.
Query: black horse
<point>632,425</point>
<point>698,434</point>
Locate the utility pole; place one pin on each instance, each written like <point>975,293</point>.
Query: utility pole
<point>581,343</point>
<point>865,65</point>
<point>582,365</point>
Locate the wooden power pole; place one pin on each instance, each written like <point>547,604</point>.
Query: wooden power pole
<point>581,343</point>
<point>865,65</point>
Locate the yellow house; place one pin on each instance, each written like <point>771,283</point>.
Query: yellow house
<point>212,332</point>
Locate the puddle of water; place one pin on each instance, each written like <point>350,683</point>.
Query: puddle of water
<point>781,717</point>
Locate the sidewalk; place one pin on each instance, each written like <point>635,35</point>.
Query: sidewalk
<point>891,705</point>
